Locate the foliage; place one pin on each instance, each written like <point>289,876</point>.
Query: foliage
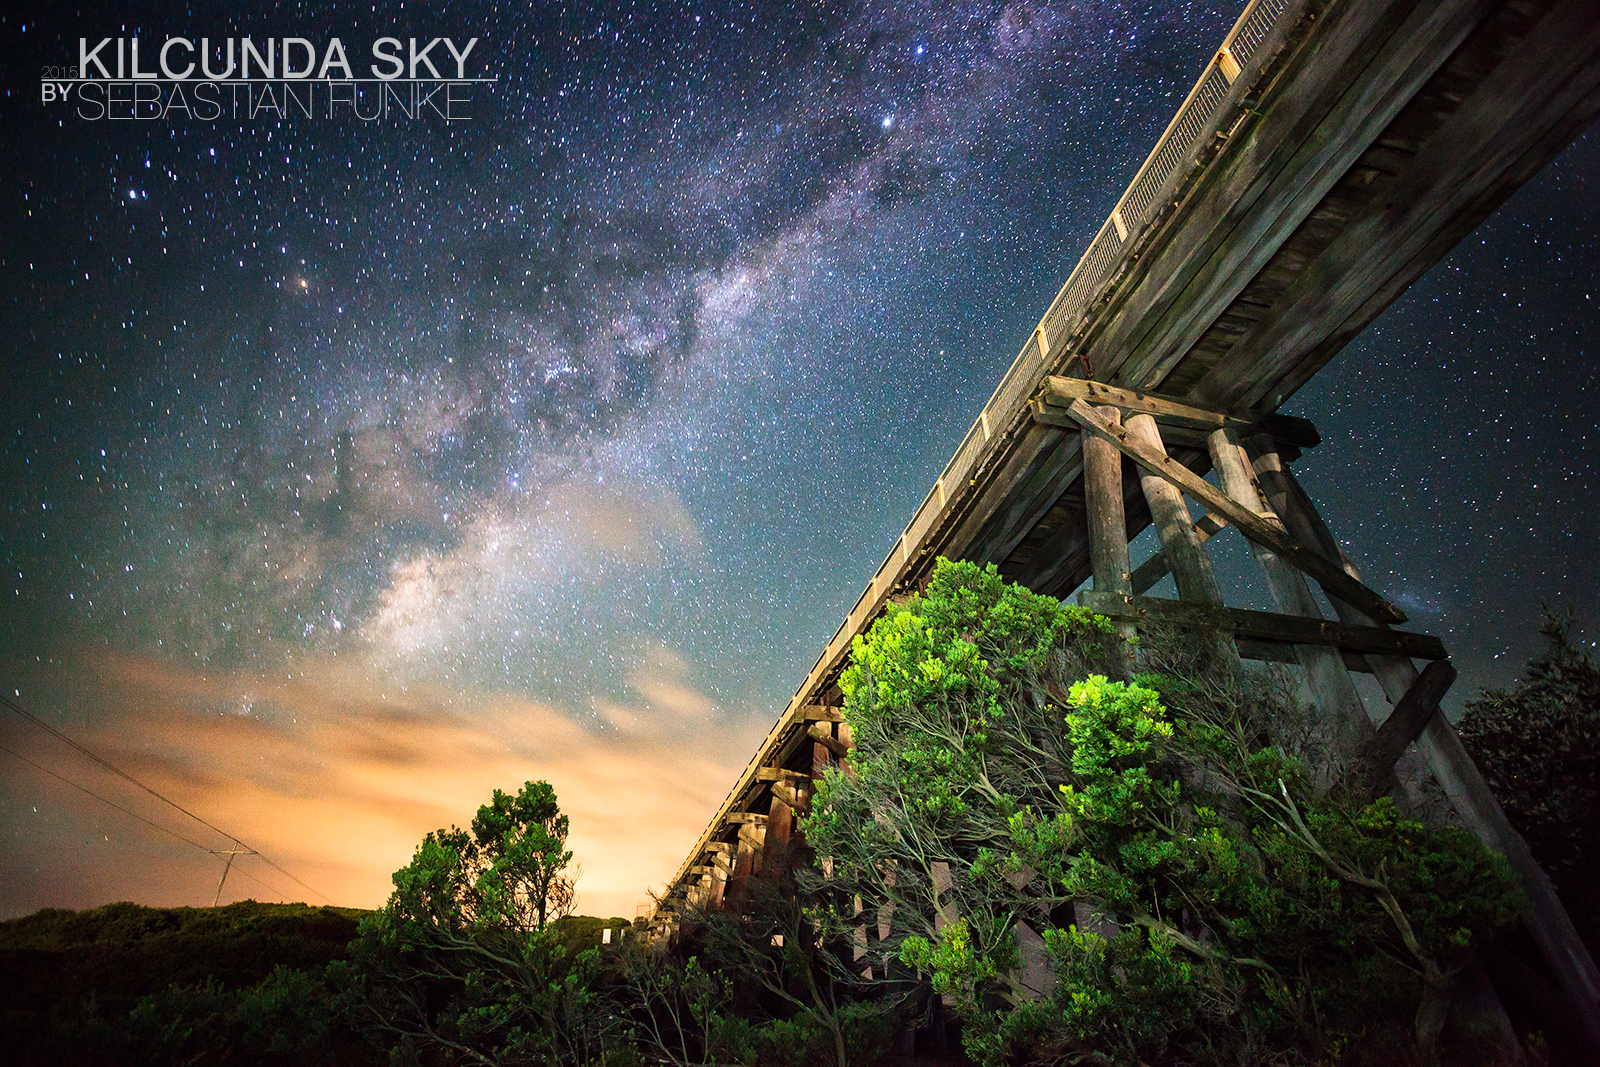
<point>1197,899</point>
<point>460,965</point>
<point>508,873</point>
<point>125,984</point>
<point>1538,744</point>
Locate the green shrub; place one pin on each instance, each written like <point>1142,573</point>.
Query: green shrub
<point>1198,901</point>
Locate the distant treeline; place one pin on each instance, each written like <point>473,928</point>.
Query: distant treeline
<point>243,984</point>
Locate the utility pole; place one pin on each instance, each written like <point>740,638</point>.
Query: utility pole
<point>230,853</point>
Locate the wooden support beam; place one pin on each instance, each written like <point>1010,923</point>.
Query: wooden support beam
<point>1265,625</point>
<point>744,817</point>
<point>824,737</point>
<point>1460,778</point>
<point>1344,716</point>
<point>1253,526</point>
<point>1155,568</point>
<point>778,774</point>
<point>792,796</point>
<point>1284,652</point>
<point>1191,567</point>
<point>1059,393</point>
<point>820,713</point>
<point>1108,524</point>
<point>1373,769</point>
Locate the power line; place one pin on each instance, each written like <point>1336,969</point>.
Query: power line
<point>103,800</point>
<point>166,830</point>
<point>119,772</point>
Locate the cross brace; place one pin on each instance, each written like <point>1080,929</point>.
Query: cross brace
<point>1267,533</point>
<point>1265,625</point>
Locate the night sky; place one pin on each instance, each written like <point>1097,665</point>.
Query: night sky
<point>353,470</point>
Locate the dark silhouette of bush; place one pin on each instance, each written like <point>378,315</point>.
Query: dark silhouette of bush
<point>1538,744</point>
<point>127,984</point>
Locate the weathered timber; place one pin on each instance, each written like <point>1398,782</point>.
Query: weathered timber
<point>792,796</point>
<point>1284,652</point>
<point>1333,690</point>
<point>1006,510</point>
<point>1515,120</point>
<point>736,817</point>
<point>1460,778</point>
<point>778,774</point>
<point>1374,767</point>
<point>1108,524</point>
<point>1060,392</point>
<point>1155,568</point>
<point>820,713</point>
<point>1149,455</point>
<point>1191,567</point>
<point>826,740</point>
<point>1366,62</point>
<point>1264,625</point>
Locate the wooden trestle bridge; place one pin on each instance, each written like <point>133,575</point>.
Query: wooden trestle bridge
<point>1332,152</point>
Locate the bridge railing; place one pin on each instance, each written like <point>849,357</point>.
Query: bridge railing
<point>1214,97</point>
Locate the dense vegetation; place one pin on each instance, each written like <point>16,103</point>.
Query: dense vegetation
<point>1028,855</point>
<point>1131,871</point>
<point>1538,744</point>
<point>125,984</point>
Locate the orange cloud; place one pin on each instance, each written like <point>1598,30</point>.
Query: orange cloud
<point>335,774</point>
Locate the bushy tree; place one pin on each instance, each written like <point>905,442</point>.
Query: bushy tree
<point>1187,893</point>
<point>1538,744</point>
<point>461,965</point>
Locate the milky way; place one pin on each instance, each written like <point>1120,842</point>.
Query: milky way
<point>635,375</point>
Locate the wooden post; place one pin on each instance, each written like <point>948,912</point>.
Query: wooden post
<point>1471,796</point>
<point>1191,567</point>
<point>752,836</point>
<point>1108,524</point>
<point>1330,684</point>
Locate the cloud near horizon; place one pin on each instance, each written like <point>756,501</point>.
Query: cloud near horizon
<point>336,776</point>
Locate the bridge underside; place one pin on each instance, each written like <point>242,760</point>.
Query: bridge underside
<point>1330,155</point>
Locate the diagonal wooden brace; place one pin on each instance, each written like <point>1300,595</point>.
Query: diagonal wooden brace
<point>1371,773</point>
<point>1270,535</point>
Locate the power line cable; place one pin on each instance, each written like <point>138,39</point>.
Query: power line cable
<point>119,772</point>
<point>113,804</point>
<point>103,800</point>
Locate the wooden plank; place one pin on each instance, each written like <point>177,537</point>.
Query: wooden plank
<point>1343,713</point>
<point>1360,65</point>
<point>1060,392</point>
<point>1191,567</point>
<point>1155,568</point>
<point>1537,87</point>
<point>744,817</point>
<point>1284,652</point>
<point>1265,625</point>
<point>1373,770</point>
<point>820,713</point>
<point>988,526</point>
<point>1024,502</point>
<point>778,774</point>
<point>1253,526</point>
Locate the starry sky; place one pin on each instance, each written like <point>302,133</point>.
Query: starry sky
<point>354,469</point>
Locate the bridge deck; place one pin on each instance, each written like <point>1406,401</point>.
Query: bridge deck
<point>1331,153</point>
